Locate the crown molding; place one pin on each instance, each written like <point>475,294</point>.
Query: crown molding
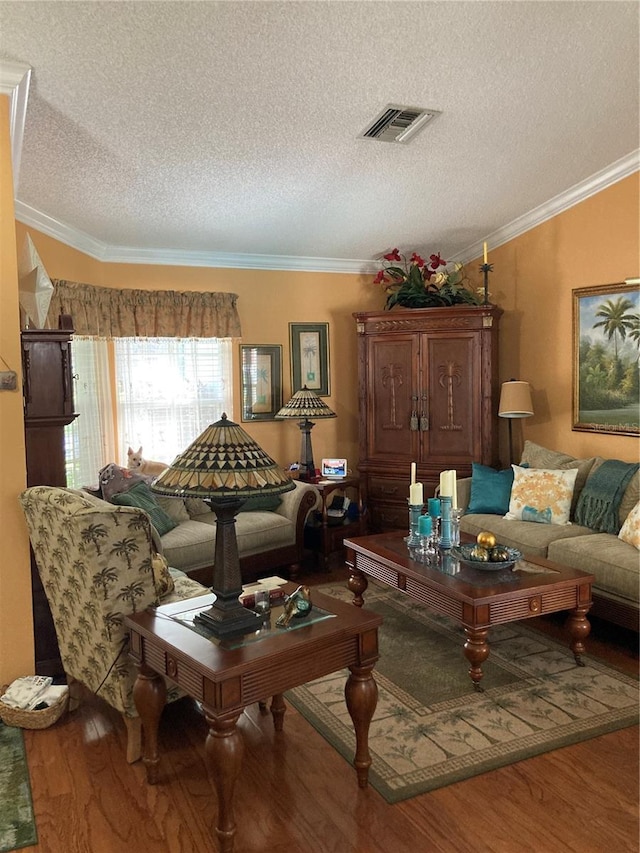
<point>14,82</point>
<point>622,168</point>
<point>101,251</point>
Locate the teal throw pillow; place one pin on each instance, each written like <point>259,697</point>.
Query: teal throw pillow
<point>261,503</point>
<point>141,496</point>
<point>490,490</point>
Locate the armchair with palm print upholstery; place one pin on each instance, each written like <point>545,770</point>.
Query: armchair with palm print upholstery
<point>98,563</point>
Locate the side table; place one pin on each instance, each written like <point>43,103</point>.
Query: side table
<point>331,536</point>
<point>227,675</point>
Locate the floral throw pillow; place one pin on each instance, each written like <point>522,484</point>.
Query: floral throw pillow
<point>630,530</point>
<point>542,495</point>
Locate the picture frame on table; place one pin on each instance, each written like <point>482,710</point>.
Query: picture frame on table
<point>606,348</point>
<point>309,343</point>
<point>260,381</point>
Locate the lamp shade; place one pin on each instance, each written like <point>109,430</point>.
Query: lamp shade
<point>515,400</point>
<point>305,404</point>
<point>224,462</point>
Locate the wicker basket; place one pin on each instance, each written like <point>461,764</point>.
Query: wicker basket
<point>24,719</point>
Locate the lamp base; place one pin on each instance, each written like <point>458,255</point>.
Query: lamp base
<point>229,619</point>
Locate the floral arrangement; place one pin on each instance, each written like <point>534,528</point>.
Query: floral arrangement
<point>423,284</point>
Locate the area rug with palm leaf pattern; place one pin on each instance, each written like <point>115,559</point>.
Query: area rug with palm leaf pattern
<point>431,728</point>
<point>17,824</point>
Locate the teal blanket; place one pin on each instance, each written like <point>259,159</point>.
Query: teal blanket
<point>599,501</point>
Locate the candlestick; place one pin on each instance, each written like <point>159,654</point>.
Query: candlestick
<point>486,269</point>
<point>413,539</point>
<point>445,532</point>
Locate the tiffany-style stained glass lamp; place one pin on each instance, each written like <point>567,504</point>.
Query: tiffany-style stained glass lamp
<point>224,466</point>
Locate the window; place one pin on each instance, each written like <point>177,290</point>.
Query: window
<point>165,392</point>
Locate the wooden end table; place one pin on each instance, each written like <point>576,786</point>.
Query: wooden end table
<point>331,536</point>
<point>476,599</point>
<point>226,676</point>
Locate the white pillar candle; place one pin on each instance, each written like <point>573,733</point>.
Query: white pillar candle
<point>454,490</point>
<point>444,483</point>
<point>413,473</point>
<point>416,494</point>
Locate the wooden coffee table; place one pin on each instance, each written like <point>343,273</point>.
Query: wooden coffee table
<point>477,599</point>
<point>226,676</point>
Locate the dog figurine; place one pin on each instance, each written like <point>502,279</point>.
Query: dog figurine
<point>143,466</point>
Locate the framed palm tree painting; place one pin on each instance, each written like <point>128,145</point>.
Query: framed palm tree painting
<point>261,381</point>
<point>606,333</point>
<point>310,357</point>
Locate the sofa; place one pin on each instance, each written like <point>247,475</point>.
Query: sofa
<point>269,531</point>
<point>608,548</point>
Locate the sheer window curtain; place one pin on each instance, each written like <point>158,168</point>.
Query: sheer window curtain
<point>166,391</point>
<point>90,438</point>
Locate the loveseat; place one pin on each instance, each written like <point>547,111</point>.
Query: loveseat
<point>487,501</point>
<point>269,531</point>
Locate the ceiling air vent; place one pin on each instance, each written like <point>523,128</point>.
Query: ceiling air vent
<point>398,124</point>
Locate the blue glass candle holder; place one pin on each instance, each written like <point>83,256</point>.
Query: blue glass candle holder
<point>413,539</point>
<point>445,529</point>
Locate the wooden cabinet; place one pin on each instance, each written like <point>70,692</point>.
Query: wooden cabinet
<point>428,393</point>
<point>47,386</point>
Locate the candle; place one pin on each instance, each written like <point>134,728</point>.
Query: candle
<point>413,473</point>
<point>416,494</point>
<point>424,525</point>
<point>454,489</point>
<point>433,505</point>
<point>485,252</point>
<point>445,489</point>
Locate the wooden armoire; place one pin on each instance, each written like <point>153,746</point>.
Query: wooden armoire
<point>428,393</point>
<point>47,387</point>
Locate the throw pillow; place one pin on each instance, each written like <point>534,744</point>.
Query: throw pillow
<point>490,490</point>
<point>114,479</point>
<point>174,507</point>
<point>162,579</point>
<point>261,503</point>
<point>141,496</point>
<point>630,530</point>
<point>536,456</point>
<point>541,495</point>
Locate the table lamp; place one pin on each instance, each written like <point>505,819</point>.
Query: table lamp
<point>305,405</point>
<point>515,402</point>
<point>224,466</point>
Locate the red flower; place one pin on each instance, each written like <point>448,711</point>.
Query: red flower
<point>417,260</point>
<point>394,255</point>
<point>380,278</point>
<point>436,261</point>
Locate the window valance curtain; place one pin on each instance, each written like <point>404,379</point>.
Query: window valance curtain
<point>111,313</point>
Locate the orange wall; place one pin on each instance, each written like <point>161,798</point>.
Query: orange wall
<point>595,242</point>
<point>268,302</point>
<point>16,625</point>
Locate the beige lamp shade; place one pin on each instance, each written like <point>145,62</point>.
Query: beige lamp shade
<point>515,400</point>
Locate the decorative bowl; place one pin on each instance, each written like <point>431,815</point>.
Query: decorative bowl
<point>462,553</point>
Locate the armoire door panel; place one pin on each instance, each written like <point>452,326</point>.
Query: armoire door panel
<point>393,394</point>
<point>452,369</point>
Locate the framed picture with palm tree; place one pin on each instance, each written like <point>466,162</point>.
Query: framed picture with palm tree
<point>606,335</point>
<point>310,357</point>
<point>260,381</point>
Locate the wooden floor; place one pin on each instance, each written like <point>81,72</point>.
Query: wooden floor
<point>297,794</point>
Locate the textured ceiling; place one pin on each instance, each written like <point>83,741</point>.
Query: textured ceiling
<point>231,128</point>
